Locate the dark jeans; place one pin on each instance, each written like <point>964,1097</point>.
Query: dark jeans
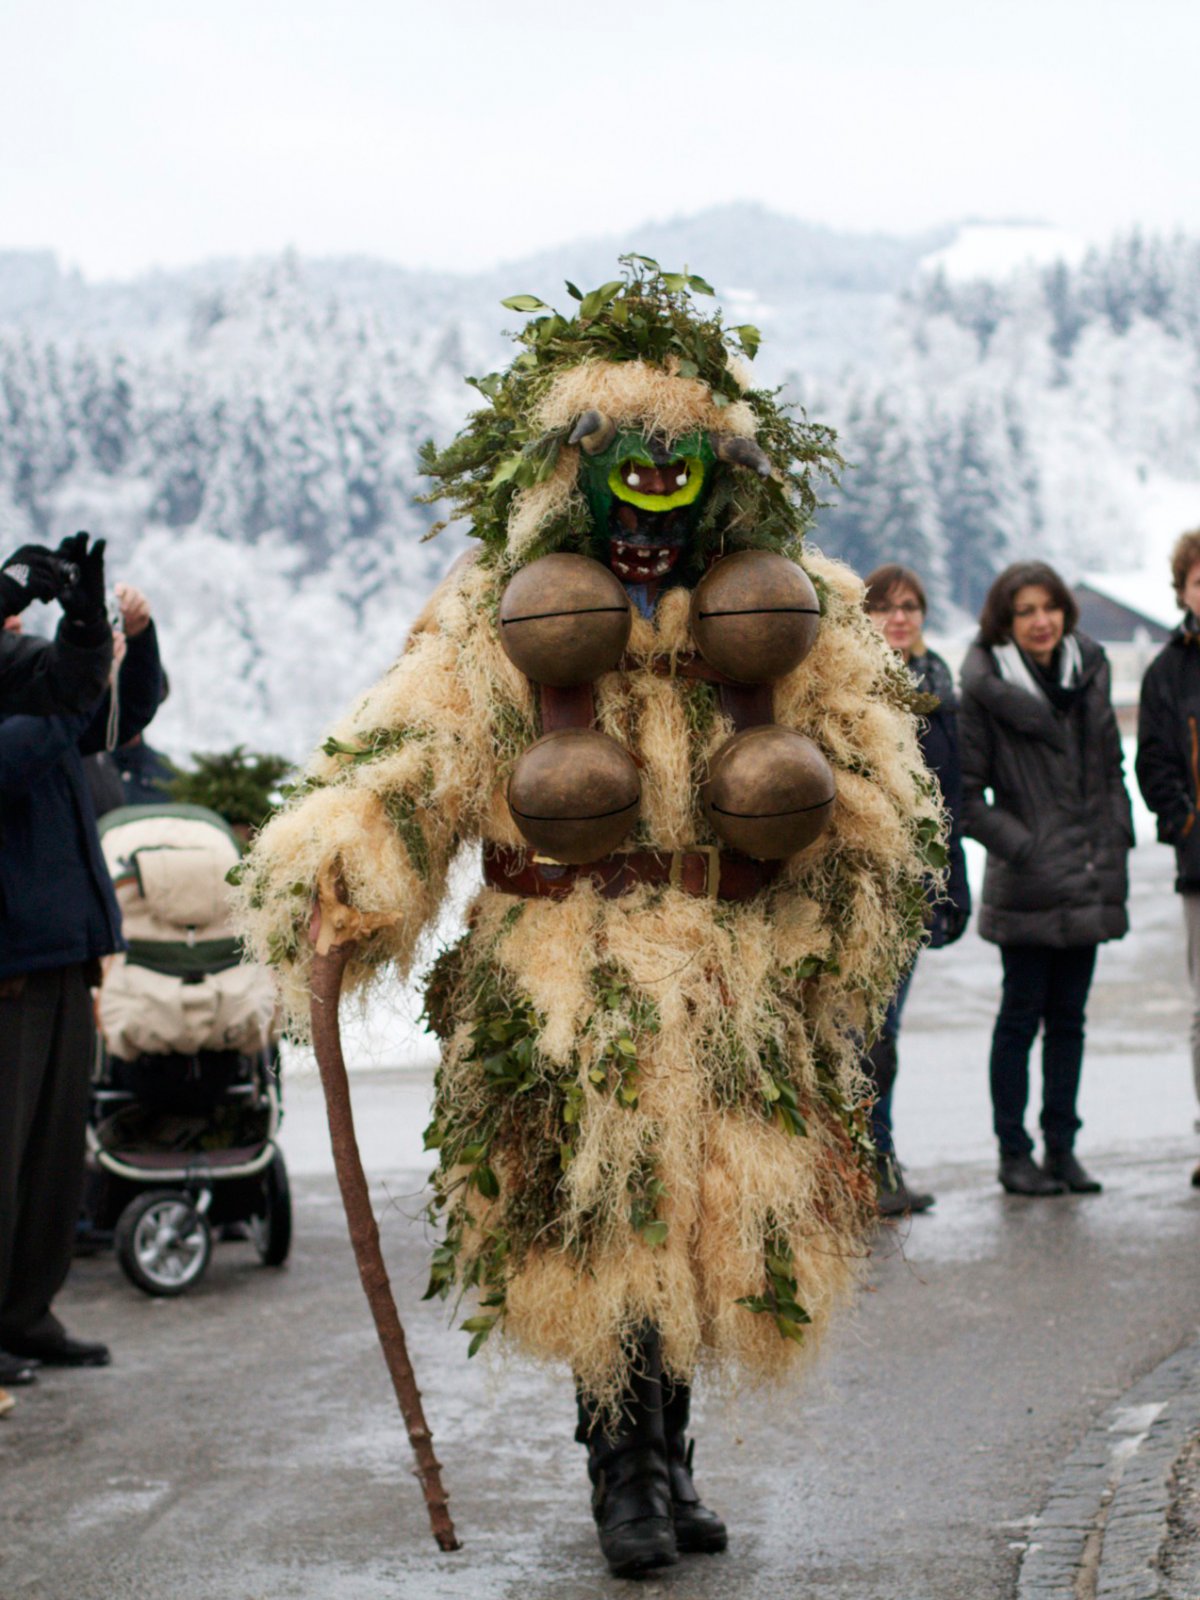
<point>46,1042</point>
<point>881,1066</point>
<point>1043,988</point>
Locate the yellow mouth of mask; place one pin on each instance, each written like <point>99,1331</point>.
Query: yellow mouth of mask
<point>684,496</point>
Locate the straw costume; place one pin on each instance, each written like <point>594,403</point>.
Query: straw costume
<point>705,867</point>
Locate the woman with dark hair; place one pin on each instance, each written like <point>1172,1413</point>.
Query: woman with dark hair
<point>1168,758</point>
<point>1038,733</point>
<point>896,603</point>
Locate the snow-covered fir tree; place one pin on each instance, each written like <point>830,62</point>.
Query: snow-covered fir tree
<point>247,437</point>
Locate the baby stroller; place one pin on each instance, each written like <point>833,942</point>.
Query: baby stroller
<point>186,1102</point>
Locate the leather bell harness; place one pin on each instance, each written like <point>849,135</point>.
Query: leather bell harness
<point>703,871</point>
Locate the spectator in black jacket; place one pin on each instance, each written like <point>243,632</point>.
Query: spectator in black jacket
<point>58,917</point>
<point>1040,738</point>
<point>1168,758</point>
<point>896,603</point>
<point>40,678</point>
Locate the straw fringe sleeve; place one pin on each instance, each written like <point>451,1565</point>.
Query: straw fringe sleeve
<point>384,803</point>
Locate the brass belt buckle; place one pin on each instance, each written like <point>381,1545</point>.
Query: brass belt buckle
<point>712,868</point>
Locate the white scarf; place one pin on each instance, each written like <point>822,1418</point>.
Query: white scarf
<point>1015,669</point>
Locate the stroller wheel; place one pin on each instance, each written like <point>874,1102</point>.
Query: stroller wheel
<point>270,1230</point>
<point>163,1243</point>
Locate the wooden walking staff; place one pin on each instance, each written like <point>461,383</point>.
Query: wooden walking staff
<point>334,939</point>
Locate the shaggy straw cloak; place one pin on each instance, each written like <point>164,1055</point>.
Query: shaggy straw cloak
<point>648,1108</point>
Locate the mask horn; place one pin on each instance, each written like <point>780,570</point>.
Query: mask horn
<point>741,452</point>
<point>593,432</point>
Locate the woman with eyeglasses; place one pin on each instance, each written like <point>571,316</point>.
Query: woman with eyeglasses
<point>896,603</point>
<point>1043,791</point>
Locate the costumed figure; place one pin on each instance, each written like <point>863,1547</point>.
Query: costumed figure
<point>706,834</point>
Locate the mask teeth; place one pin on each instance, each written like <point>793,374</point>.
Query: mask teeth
<point>638,563</point>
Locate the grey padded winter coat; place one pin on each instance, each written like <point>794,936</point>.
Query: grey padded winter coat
<point>1058,826</point>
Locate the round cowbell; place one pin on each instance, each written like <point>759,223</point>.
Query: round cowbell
<point>755,616</point>
<point>564,620</point>
<point>769,792</point>
<point>575,795</point>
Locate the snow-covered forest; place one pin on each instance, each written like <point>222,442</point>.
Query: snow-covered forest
<point>1056,410</point>
<point>246,435</point>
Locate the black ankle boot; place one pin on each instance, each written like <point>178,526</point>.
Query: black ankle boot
<point>893,1197</point>
<point>697,1529</point>
<point>1020,1174</point>
<point>1063,1166</point>
<point>627,1463</point>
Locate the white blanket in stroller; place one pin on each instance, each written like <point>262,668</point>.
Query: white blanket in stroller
<point>182,987</point>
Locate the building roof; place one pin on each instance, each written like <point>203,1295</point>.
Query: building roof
<point>1147,594</point>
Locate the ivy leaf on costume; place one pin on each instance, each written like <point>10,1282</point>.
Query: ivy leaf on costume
<point>487,1183</point>
<point>749,338</point>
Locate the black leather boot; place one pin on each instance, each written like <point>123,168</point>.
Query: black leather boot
<point>893,1197</point>
<point>1064,1167</point>
<point>697,1529</point>
<point>627,1463</point>
<point>1022,1175</point>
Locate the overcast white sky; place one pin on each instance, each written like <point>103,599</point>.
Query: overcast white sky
<point>460,133</point>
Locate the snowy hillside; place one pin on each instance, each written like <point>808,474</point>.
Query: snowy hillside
<point>997,250</point>
<point>1052,409</point>
<point>246,433</point>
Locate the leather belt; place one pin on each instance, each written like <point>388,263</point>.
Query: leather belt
<point>703,871</point>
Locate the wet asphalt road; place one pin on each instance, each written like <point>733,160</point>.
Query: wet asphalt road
<point>245,1445</point>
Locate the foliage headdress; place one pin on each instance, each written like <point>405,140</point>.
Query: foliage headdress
<point>637,374</point>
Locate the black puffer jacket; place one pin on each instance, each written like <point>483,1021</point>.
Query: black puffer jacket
<point>1168,757</point>
<point>48,679</point>
<point>1058,826</point>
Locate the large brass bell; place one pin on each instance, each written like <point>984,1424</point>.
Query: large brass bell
<point>755,616</point>
<point>575,795</point>
<point>769,792</point>
<point>564,620</point>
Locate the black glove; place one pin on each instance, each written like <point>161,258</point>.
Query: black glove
<point>953,919</point>
<point>83,599</point>
<point>30,573</point>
